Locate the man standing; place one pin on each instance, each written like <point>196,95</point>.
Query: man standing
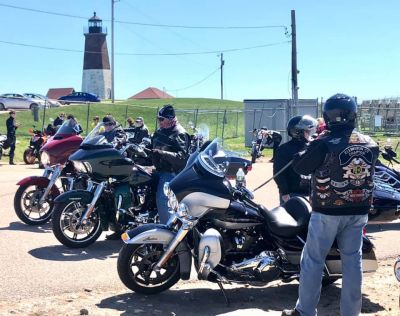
<point>170,152</point>
<point>59,120</point>
<point>290,183</point>
<point>342,163</point>
<point>12,126</point>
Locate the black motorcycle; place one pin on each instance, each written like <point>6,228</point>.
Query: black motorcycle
<point>120,194</point>
<point>3,144</point>
<point>38,139</point>
<point>231,238</point>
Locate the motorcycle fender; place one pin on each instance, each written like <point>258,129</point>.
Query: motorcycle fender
<point>75,196</point>
<point>41,181</point>
<point>157,233</point>
<point>149,234</point>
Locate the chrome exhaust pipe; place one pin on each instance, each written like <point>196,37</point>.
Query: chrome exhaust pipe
<point>259,263</point>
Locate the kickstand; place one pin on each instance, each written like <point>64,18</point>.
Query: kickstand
<point>228,303</point>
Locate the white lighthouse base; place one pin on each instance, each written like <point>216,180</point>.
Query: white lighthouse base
<point>97,81</point>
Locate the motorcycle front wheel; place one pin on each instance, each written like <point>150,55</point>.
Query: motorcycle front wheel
<point>27,206</point>
<point>135,264</point>
<point>29,157</point>
<point>68,229</point>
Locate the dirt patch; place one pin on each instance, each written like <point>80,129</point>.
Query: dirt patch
<point>380,297</point>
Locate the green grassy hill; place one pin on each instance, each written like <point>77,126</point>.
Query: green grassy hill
<point>231,123</point>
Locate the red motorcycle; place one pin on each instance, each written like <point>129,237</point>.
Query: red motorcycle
<point>33,201</point>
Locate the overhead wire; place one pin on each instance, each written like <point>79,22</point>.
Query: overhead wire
<point>146,24</point>
<point>196,83</point>
<point>148,54</point>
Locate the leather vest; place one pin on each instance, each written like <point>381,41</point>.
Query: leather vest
<point>345,179</point>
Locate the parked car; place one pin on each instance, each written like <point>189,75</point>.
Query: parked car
<point>78,97</point>
<point>18,101</point>
<point>50,102</point>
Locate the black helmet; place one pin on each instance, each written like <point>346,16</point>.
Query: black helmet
<point>340,110</point>
<point>299,124</point>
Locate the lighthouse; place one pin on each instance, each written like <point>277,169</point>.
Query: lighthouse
<point>96,76</point>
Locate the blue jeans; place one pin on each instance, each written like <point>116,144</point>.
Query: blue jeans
<point>161,199</point>
<point>322,231</point>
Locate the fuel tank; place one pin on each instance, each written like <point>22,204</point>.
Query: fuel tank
<point>237,216</point>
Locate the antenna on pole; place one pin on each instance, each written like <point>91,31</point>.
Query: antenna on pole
<point>112,51</point>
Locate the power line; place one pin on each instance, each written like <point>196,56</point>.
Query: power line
<point>147,24</point>
<point>148,54</point>
<point>196,83</point>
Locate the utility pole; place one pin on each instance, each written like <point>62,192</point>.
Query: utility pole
<point>222,75</point>
<point>295,87</point>
<point>112,51</point>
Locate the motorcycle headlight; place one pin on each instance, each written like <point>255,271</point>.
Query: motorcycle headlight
<point>80,167</point>
<point>397,269</point>
<point>45,158</point>
<point>183,210</point>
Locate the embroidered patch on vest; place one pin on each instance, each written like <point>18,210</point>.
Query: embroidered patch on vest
<point>357,195</point>
<point>325,180</point>
<point>340,185</point>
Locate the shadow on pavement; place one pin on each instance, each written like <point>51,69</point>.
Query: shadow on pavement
<point>374,227</point>
<point>44,228</point>
<point>208,301</point>
<point>100,250</point>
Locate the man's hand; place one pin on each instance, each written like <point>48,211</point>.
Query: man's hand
<point>285,197</point>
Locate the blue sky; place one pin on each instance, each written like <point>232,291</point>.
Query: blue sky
<point>343,46</point>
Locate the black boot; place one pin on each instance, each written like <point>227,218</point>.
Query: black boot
<point>114,236</point>
<point>12,162</point>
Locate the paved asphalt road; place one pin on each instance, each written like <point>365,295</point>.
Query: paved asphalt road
<point>33,263</point>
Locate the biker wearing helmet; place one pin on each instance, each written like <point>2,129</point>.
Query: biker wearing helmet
<point>342,163</point>
<point>300,129</point>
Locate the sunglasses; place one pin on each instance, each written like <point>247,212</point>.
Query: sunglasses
<point>160,118</point>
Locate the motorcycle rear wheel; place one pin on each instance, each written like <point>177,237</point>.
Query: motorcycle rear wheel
<point>253,154</point>
<point>26,204</point>
<point>135,263</point>
<point>67,229</point>
<point>29,157</point>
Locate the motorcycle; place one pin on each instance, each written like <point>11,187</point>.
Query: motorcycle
<point>199,137</point>
<point>36,142</point>
<point>263,139</point>
<point>231,238</point>
<point>386,194</point>
<point>121,193</point>
<point>35,196</point>
<point>3,139</point>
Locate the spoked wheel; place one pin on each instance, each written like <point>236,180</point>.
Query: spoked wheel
<point>135,268</point>
<point>27,206</point>
<point>69,230</point>
<point>29,157</point>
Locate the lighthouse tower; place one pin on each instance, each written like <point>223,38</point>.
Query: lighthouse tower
<point>96,76</point>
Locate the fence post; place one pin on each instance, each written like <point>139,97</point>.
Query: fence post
<point>195,119</point>
<point>87,118</point>
<point>223,126</point>
<point>126,115</point>
<point>216,132</point>
<point>237,124</point>
<point>158,109</point>
<point>44,114</point>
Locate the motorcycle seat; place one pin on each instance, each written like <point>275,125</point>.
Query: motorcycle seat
<point>290,219</point>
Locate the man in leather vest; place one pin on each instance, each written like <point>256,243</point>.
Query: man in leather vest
<point>170,152</point>
<point>342,163</point>
<point>300,129</point>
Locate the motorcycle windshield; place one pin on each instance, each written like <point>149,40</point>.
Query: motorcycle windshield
<point>102,135</point>
<point>69,127</point>
<point>207,158</point>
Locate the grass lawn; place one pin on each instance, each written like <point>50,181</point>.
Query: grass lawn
<point>188,110</point>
